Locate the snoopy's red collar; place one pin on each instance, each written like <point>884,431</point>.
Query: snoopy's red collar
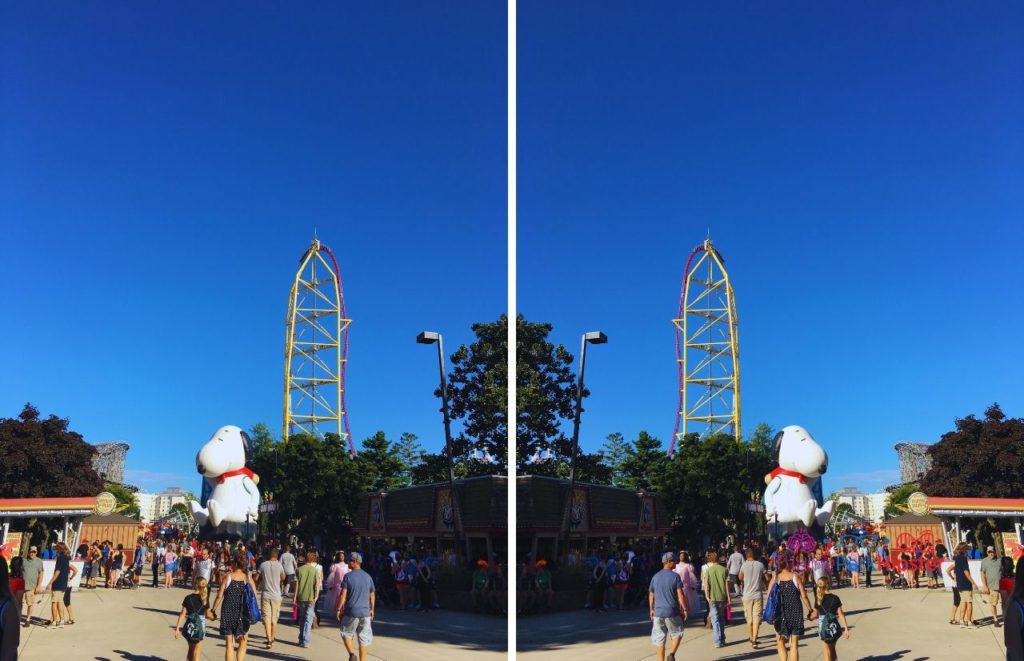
<point>240,471</point>
<point>782,471</point>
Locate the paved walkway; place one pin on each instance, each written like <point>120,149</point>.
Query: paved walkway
<point>138,625</point>
<point>885,625</point>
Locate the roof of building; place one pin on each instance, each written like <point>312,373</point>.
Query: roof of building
<point>483,503</point>
<point>110,520</point>
<point>541,502</point>
<point>910,518</point>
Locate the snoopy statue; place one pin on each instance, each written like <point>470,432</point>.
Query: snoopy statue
<point>233,503</point>
<point>789,500</point>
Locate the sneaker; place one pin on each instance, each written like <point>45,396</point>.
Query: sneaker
<point>972,625</point>
<point>60,624</point>
<point>963,624</point>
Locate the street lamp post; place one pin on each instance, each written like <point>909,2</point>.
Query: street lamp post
<point>430,337</point>
<point>593,337</point>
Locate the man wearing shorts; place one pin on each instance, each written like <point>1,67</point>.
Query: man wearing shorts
<point>355,608</point>
<point>733,564</point>
<point>32,572</point>
<point>991,572</point>
<point>271,582</point>
<point>666,601</point>
<point>964,585</point>
<point>290,567</point>
<point>752,580</point>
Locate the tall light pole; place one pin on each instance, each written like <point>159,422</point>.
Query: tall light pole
<point>430,337</point>
<point>593,337</point>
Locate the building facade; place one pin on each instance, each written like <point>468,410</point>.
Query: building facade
<point>870,506</point>
<point>154,506</point>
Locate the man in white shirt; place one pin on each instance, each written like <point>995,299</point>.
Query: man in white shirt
<point>290,566</point>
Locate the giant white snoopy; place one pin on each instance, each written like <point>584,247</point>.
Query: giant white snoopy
<point>788,500</point>
<point>233,504</point>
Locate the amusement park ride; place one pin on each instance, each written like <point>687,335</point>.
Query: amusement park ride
<point>707,349</point>
<point>316,349</point>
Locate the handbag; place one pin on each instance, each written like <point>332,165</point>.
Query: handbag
<point>252,605</point>
<point>771,605</point>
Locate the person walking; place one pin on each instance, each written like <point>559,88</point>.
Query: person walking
<point>204,566</point>
<point>688,576</point>
<point>830,618</point>
<point>733,564</point>
<point>716,592</point>
<point>666,602</point>
<point>853,567</point>
<point>271,579</point>
<point>290,567</point>
<point>10,633</point>
<point>170,566</point>
<point>234,616</point>
<point>965,585</point>
<point>991,572</point>
<point>789,623</point>
<point>354,608</point>
<point>751,576</point>
<point>1013,632</point>
<point>59,584</point>
<point>337,572</point>
<point>195,609</point>
<point>307,592</point>
<point>32,572</point>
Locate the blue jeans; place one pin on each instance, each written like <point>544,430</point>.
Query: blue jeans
<point>717,613</point>
<point>306,616</point>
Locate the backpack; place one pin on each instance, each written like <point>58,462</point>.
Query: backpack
<point>828,626</point>
<point>194,629</point>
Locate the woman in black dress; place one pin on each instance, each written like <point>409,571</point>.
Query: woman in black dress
<point>789,625</point>
<point>234,618</point>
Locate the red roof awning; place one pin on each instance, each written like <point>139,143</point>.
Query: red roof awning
<point>976,504</point>
<point>48,504</point>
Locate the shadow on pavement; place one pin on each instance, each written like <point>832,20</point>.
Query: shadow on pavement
<point>866,610</point>
<point>892,657</point>
<point>157,610</point>
<point>131,656</point>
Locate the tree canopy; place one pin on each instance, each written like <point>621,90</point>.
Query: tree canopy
<point>980,458</point>
<point>545,397</point>
<point>896,501</point>
<point>44,458</point>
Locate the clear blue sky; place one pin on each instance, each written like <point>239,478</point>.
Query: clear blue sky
<point>861,169</point>
<point>162,170</point>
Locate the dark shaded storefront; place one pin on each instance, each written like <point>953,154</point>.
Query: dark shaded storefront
<point>424,518</point>
<point>600,518</point>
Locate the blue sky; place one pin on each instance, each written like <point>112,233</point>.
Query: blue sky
<point>861,169</point>
<point>163,168</point>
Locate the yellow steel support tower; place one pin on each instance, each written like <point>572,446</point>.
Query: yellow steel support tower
<point>707,348</point>
<point>316,348</point>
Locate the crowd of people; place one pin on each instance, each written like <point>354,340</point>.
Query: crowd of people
<point>708,586</point>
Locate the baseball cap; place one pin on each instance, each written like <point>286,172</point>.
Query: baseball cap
<point>33,549</point>
<point>355,556</point>
<point>992,549</point>
<point>668,557</point>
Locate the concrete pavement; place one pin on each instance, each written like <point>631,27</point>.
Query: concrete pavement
<point>138,625</point>
<point>885,625</point>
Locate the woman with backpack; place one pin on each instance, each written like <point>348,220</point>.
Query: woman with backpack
<point>194,611</point>
<point>10,618</point>
<point>830,617</point>
<point>785,609</point>
<point>1013,618</point>
<point>234,616</point>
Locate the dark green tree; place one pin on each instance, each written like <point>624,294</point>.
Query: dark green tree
<point>708,482</point>
<point>896,501</point>
<point>43,458</point>
<point>316,483</point>
<point>980,459</point>
<point>643,464</point>
<point>478,397</point>
<point>545,397</point>
<point>383,468</point>
<point>127,501</point>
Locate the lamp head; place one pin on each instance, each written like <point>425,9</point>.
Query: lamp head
<point>427,337</point>
<point>595,337</point>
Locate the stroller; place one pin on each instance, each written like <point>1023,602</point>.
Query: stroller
<point>127,579</point>
<point>897,581</point>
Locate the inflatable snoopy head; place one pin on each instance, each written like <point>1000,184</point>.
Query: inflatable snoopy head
<point>227,450</point>
<point>232,503</point>
<point>789,500</point>
<point>796,450</point>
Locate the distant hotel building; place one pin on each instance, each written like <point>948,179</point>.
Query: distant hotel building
<point>870,506</point>
<point>153,506</point>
